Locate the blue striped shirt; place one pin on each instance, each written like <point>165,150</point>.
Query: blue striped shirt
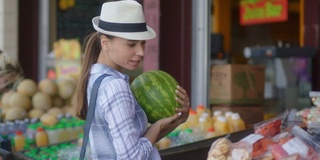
<point>119,123</point>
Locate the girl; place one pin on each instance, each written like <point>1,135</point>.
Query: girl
<point>119,128</point>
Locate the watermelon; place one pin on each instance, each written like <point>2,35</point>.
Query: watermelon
<point>155,92</point>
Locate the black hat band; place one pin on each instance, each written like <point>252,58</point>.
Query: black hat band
<point>122,27</point>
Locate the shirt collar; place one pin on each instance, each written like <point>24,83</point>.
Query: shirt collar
<point>99,68</point>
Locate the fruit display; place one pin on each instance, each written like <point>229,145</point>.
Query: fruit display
<point>201,125</point>
<point>41,101</point>
<point>155,93</point>
<point>48,119</point>
<point>272,126</point>
<point>311,116</point>
<point>44,100</point>
<point>48,87</point>
<point>15,113</point>
<point>27,87</point>
<point>280,143</point>
<point>19,100</point>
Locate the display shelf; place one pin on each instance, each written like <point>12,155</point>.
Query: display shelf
<point>198,150</point>
<point>20,156</point>
<point>6,155</point>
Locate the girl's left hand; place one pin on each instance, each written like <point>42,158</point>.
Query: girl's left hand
<point>168,124</point>
<point>184,100</point>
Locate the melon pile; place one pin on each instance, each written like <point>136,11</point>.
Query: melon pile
<point>45,100</point>
<point>155,93</point>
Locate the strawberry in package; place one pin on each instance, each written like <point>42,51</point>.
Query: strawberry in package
<point>271,127</point>
<point>270,141</point>
<point>259,144</point>
<point>298,145</point>
<point>312,144</point>
<point>294,145</point>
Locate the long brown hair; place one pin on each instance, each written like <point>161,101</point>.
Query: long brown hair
<point>92,49</point>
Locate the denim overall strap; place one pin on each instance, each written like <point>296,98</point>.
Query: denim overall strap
<point>91,108</point>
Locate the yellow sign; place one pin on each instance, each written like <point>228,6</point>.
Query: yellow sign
<point>67,68</point>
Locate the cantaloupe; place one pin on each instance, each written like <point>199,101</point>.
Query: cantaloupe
<point>27,87</point>
<point>48,119</point>
<point>41,101</point>
<point>5,99</point>
<point>35,113</point>
<point>55,111</point>
<point>17,99</point>
<point>48,87</point>
<point>69,110</point>
<point>66,88</point>
<point>15,113</point>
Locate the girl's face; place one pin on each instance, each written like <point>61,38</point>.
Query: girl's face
<point>120,53</point>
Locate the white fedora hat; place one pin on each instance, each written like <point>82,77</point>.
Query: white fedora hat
<point>123,19</point>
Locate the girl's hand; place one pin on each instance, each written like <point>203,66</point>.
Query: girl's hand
<point>166,125</point>
<point>182,113</point>
<point>184,100</point>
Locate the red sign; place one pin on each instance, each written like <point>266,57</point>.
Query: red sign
<point>263,11</point>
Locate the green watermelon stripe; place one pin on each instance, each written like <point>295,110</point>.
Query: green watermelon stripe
<point>158,101</point>
<point>171,82</point>
<point>165,77</point>
<point>155,81</point>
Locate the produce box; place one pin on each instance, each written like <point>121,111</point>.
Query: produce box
<point>240,84</point>
<point>249,114</point>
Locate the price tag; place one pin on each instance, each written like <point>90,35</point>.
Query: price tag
<point>252,138</point>
<point>239,154</point>
<point>295,145</point>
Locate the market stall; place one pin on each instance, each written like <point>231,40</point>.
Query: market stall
<point>274,139</point>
